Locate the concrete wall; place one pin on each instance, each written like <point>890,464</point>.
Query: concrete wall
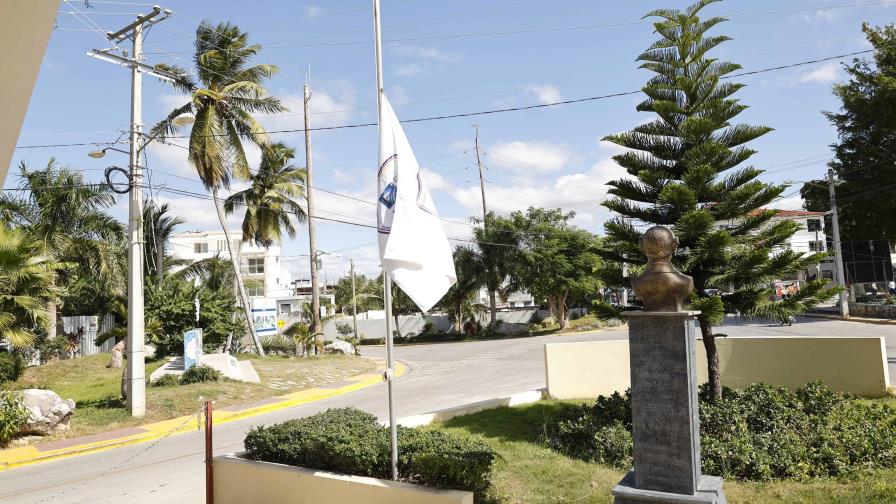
<point>854,365</point>
<point>239,481</point>
<point>25,27</point>
<point>872,310</point>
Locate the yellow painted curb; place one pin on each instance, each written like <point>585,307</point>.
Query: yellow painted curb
<point>26,455</point>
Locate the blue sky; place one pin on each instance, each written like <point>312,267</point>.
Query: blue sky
<point>445,58</point>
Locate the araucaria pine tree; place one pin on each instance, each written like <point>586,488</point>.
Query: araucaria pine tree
<point>686,172</point>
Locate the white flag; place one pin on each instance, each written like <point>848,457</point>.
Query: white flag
<point>413,246</point>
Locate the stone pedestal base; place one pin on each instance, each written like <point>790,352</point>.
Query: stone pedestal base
<point>709,491</point>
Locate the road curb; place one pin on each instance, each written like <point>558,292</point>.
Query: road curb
<point>444,415</point>
<point>27,455</point>
<point>862,320</point>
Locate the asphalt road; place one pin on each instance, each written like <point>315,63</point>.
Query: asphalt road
<point>442,375</point>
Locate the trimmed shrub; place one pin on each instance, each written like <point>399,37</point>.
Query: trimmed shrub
<point>13,414</point>
<point>279,345</point>
<point>759,433</point>
<point>11,366</point>
<point>351,441</point>
<point>168,380</point>
<point>200,373</point>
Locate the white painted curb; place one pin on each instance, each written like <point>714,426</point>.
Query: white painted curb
<point>528,397</point>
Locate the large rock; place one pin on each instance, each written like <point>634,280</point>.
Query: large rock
<point>340,347</point>
<point>47,412</point>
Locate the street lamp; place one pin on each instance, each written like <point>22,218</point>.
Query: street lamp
<point>181,120</point>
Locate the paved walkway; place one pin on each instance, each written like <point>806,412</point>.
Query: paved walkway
<point>442,376</point>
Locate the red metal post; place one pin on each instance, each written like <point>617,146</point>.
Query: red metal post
<point>209,474</point>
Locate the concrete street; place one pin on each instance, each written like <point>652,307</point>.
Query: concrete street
<point>443,375</point>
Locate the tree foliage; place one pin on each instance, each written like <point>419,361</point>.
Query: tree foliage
<point>863,154</point>
<point>686,171</point>
<point>26,283</point>
<point>273,199</point>
<point>552,259</point>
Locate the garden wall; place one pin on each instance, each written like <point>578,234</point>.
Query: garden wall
<point>238,481</point>
<point>855,365</point>
<point>872,310</point>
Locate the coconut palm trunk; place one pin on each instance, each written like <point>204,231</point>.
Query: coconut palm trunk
<point>241,288</point>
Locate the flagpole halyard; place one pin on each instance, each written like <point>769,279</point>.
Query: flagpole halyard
<point>387,280</point>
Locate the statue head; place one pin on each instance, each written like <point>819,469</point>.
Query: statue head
<point>658,243</point>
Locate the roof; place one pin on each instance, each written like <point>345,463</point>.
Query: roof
<point>789,213</point>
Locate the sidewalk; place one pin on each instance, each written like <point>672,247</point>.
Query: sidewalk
<point>865,320</point>
<point>62,448</point>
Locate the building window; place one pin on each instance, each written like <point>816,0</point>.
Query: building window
<point>256,265</point>
<point>255,289</point>
<point>200,248</point>
<point>813,224</point>
<point>816,246</point>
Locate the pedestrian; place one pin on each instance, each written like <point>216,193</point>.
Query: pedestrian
<point>892,287</point>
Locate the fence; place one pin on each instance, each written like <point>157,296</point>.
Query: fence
<point>93,326</point>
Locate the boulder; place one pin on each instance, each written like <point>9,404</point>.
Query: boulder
<point>340,347</point>
<point>47,412</point>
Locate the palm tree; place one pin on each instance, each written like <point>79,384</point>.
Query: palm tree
<point>215,273</point>
<point>228,92</point>
<point>158,226</point>
<point>272,198</point>
<point>26,284</point>
<point>67,216</point>
<point>461,296</point>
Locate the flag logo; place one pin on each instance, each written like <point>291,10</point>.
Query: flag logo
<point>387,198</point>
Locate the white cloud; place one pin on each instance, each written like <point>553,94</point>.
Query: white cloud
<point>422,60</point>
<point>820,15</point>
<point>428,54</point>
<point>410,70</point>
<point>823,74</point>
<point>794,202</point>
<point>546,93</point>
<point>581,192</point>
<point>312,11</point>
<point>529,156</point>
<point>434,180</point>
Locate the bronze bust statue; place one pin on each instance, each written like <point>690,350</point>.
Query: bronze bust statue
<point>661,287</point>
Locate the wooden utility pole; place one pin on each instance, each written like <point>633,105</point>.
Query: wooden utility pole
<point>354,299</point>
<point>312,239</point>
<point>481,179</point>
<point>492,301</point>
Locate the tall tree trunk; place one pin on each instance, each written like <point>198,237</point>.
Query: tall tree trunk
<point>160,256</point>
<point>493,308</point>
<point>557,305</point>
<point>712,357</point>
<point>51,319</point>
<point>241,288</point>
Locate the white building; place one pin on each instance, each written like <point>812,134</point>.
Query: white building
<point>809,238</point>
<point>514,299</point>
<point>261,269</point>
<point>273,293</point>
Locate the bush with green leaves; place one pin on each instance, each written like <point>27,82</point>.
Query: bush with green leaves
<point>279,345</point>
<point>351,441</point>
<point>344,329</point>
<point>168,380</point>
<point>13,414</point>
<point>11,366</point>
<point>200,373</point>
<point>759,433</point>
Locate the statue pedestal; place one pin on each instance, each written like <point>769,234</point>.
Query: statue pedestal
<point>665,419</point>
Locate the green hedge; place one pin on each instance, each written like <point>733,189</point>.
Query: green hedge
<point>13,415</point>
<point>200,373</point>
<point>11,366</point>
<point>350,441</point>
<point>760,433</point>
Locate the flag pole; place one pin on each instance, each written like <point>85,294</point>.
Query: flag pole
<point>387,281</point>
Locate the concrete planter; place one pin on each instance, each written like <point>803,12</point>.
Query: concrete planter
<point>239,480</point>
<point>872,310</point>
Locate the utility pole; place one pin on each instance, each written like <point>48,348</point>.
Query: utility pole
<point>492,301</point>
<point>354,299</point>
<point>838,252</point>
<point>481,179</point>
<point>136,370</point>
<point>312,239</point>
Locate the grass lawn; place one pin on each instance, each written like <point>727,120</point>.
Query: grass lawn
<point>95,388</point>
<point>529,473</point>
